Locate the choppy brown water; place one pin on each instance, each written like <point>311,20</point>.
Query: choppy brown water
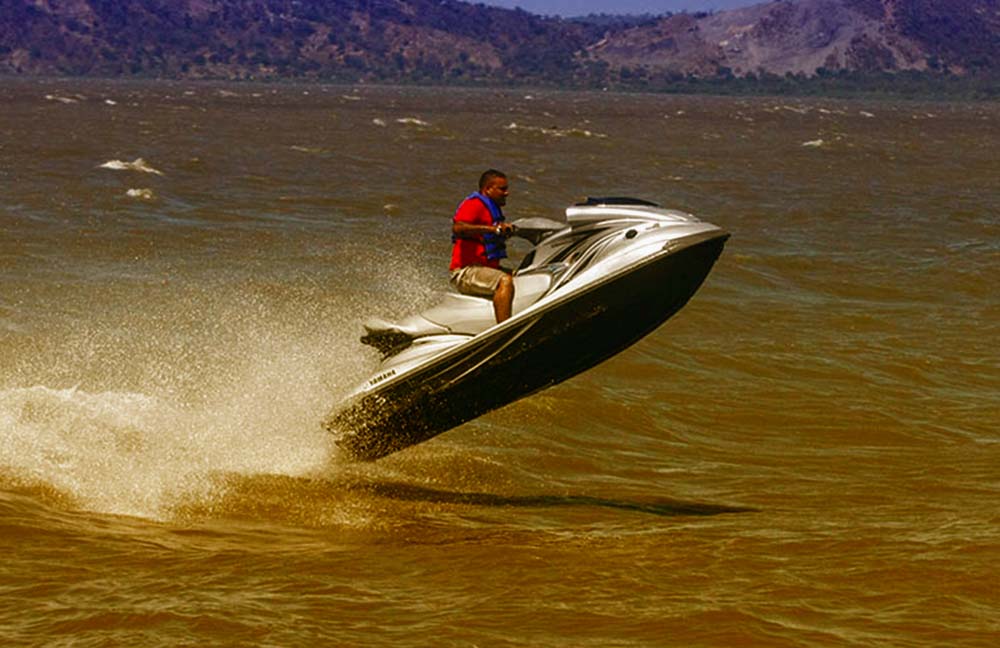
<point>807,455</point>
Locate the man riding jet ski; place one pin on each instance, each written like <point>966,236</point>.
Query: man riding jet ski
<point>478,234</point>
<point>591,286</point>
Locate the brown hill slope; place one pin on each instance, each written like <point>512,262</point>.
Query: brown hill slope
<point>803,36</point>
<point>375,39</point>
<point>453,41</point>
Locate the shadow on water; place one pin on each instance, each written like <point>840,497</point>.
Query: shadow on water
<point>655,506</point>
<point>353,502</point>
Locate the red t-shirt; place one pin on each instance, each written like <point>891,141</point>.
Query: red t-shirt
<point>466,251</point>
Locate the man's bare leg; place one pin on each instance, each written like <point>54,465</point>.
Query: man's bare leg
<point>503,298</point>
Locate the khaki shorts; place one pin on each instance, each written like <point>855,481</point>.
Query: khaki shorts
<point>477,280</point>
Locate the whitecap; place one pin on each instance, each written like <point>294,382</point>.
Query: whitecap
<point>554,131</point>
<point>412,121</point>
<point>137,164</point>
<point>60,99</point>
<point>813,143</point>
<point>379,122</point>
<point>141,194</point>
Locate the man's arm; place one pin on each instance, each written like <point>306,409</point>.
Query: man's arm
<point>473,231</point>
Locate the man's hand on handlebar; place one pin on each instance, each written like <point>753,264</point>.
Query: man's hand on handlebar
<point>506,230</point>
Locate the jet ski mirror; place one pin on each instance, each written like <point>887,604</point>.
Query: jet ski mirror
<point>535,229</point>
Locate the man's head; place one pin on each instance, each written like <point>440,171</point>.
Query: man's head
<point>493,184</point>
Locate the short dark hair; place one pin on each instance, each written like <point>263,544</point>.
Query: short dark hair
<point>488,176</point>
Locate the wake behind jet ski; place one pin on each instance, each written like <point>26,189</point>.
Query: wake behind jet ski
<point>591,286</point>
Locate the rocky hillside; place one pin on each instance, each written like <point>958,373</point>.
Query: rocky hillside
<point>805,36</point>
<point>374,39</point>
<point>452,41</point>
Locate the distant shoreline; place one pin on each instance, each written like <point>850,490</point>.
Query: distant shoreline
<point>899,86</point>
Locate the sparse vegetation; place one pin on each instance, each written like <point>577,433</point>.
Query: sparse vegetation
<point>452,42</point>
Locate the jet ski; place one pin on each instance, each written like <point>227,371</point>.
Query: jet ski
<point>591,286</point>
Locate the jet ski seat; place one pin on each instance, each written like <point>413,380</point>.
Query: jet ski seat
<point>454,314</point>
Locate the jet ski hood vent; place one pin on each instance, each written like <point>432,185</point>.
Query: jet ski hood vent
<point>627,209</point>
<point>616,200</point>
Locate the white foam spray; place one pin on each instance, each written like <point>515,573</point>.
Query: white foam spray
<point>138,454</point>
<point>174,404</point>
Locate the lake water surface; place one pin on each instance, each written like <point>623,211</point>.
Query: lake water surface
<point>806,455</point>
